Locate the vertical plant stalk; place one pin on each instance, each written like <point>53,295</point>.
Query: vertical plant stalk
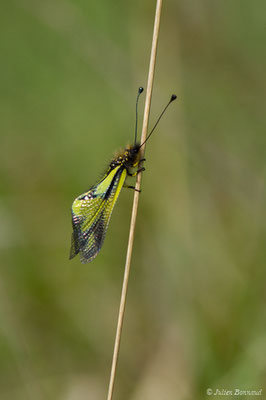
<point>135,201</point>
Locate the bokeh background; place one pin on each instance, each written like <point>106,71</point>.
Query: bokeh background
<point>195,317</point>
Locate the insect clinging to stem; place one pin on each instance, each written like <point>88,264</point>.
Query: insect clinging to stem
<point>91,211</point>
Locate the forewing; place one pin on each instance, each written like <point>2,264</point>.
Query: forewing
<point>84,212</point>
<point>91,214</point>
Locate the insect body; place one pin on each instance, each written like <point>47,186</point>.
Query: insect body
<point>92,210</point>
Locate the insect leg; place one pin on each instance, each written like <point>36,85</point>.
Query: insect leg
<point>137,172</point>
<point>132,187</point>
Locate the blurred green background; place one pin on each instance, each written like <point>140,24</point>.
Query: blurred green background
<point>195,315</point>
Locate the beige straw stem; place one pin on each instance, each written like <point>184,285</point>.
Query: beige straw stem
<point>135,201</point>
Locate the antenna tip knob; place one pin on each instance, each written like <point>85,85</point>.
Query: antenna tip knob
<point>140,89</point>
<point>173,97</point>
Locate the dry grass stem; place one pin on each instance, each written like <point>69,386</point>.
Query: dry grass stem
<point>135,201</point>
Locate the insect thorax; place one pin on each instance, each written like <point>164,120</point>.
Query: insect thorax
<point>128,158</point>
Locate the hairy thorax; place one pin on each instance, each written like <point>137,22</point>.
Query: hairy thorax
<point>128,158</point>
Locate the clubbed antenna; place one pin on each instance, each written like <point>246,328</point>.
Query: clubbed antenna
<point>136,125</point>
<point>173,97</point>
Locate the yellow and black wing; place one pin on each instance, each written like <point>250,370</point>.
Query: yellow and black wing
<point>91,214</point>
